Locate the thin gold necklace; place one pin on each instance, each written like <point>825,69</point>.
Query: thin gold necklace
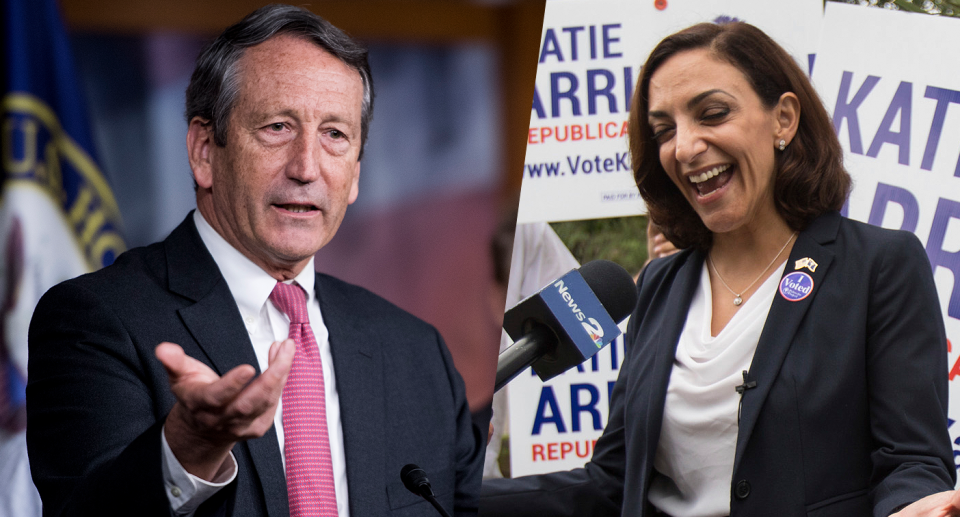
<point>738,297</point>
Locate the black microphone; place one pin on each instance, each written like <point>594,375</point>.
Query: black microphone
<point>567,322</point>
<point>415,479</point>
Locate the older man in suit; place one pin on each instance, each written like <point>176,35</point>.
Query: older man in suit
<point>144,394</point>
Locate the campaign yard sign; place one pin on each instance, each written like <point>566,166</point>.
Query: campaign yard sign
<point>577,165</point>
<point>897,113</point>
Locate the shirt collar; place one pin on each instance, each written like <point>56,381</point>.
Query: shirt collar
<point>250,285</point>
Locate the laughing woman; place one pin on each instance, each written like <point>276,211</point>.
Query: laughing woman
<point>788,362</point>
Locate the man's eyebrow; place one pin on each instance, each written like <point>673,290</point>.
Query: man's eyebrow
<point>333,117</point>
<point>697,99</point>
<point>265,115</point>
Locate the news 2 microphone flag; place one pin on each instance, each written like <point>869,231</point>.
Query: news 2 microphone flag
<point>58,217</point>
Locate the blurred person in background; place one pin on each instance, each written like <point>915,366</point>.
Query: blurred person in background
<point>657,244</point>
<point>526,257</point>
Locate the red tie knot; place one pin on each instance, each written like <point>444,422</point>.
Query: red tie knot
<point>291,299</point>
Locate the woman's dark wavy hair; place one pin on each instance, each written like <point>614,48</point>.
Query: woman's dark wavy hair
<point>810,177</point>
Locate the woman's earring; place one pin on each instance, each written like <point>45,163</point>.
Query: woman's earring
<point>783,144</point>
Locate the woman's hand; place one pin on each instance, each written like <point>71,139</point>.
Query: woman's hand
<point>943,504</point>
<point>658,245</point>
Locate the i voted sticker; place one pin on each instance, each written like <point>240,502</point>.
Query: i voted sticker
<point>796,286</point>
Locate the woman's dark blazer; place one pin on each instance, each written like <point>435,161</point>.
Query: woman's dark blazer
<point>848,416</point>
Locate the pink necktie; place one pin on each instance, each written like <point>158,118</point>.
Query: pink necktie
<point>306,444</point>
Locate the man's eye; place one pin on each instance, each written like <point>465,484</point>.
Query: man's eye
<point>277,126</point>
<point>334,133</point>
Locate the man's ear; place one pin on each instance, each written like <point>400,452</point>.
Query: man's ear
<point>788,117</point>
<point>199,143</point>
<point>355,185</point>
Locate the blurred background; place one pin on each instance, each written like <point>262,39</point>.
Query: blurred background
<point>453,85</point>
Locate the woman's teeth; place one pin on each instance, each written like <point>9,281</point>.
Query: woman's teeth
<point>700,178</point>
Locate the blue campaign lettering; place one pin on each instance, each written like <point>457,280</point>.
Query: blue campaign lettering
<point>944,98</point>
<point>593,42</point>
<point>609,40</point>
<point>586,166</point>
<point>597,164</point>
<point>901,105</point>
<point>556,94</point>
<point>946,210</point>
<point>593,91</point>
<point>622,162</point>
<point>534,169</point>
<point>550,47</point>
<point>573,40</point>
<point>887,194</point>
<point>601,83</point>
<point>614,356</point>
<point>548,401</point>
<point>538,104</point>
<point>848,110</point>
<point>576,407</point>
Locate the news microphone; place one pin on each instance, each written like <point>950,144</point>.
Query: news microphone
<point>415,479</point>
<point>567,321</point>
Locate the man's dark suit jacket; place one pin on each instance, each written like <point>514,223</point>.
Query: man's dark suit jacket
<point>97,396</point>
<point>848,416</point>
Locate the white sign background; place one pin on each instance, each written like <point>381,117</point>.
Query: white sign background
<point>576,165</point>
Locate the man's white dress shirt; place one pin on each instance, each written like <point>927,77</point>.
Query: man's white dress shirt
<point>265,323</point>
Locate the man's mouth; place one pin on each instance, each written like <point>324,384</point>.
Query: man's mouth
<point>297,209</point>
<point>711,180</point>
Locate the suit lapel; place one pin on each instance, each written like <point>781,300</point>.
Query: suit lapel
<point>783,320</point>
<point>359,373</point>
<point>215,323</point>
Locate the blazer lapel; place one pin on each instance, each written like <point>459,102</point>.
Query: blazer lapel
<point>678,302</point>
<point>359,373</point>
<point>783,320</point>
<point>216,325</point>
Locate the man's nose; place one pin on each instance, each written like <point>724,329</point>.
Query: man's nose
<point>304,165</point>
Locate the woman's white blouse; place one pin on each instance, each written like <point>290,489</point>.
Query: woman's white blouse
<point>698,439</point>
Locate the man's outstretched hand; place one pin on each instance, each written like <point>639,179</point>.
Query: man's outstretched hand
<point>213,413</point>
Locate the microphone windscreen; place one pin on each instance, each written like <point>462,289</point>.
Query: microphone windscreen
<point>613,286</point>
<point>413,478</point>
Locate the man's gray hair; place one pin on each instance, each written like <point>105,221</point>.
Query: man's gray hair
<point>215,83</point>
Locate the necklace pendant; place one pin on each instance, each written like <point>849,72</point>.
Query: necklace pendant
<point>737,301</point>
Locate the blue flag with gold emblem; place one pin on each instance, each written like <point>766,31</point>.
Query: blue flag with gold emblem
<point>58,217</point>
